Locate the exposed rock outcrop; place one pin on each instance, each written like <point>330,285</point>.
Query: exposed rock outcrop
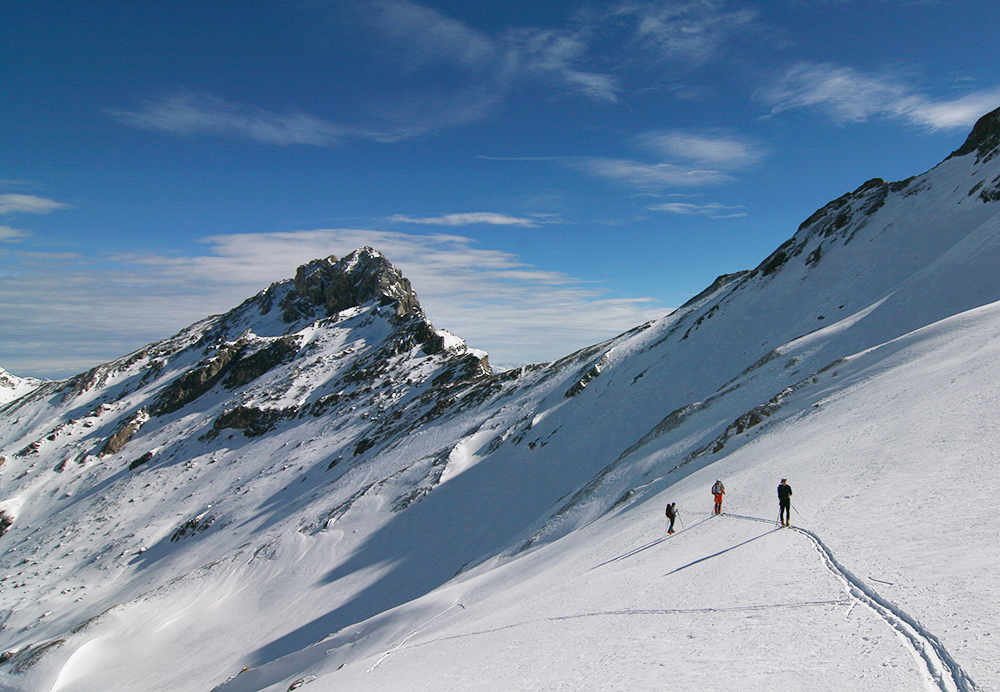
<point>252,421</point>
<point>335,285</point>
<point>125,432</point>
<point>984,138</point>
<point>5,522</point>
<point>194,383</point>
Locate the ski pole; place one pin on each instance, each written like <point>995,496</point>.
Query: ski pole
<point>681,517</point>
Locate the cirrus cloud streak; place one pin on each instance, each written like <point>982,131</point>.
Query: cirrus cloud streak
<point>848,95</point>
<point>467,219</point>
<point>28,204</point>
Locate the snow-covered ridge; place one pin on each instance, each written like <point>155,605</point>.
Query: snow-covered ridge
<point>324,491</point>
<point>12,387</point>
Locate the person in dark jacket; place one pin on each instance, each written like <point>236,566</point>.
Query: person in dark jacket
<point>671,515</point>
<point>784,502</point>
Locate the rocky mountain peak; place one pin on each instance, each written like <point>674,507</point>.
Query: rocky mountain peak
<point>357,278</point>
<point>984,138</point>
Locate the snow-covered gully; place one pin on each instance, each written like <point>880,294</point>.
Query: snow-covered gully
<point>940,669</point>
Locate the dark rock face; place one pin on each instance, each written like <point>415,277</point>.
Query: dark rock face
<point>336,285</point>
<point>145,458</point>
<point>192,527</point>
<point>839,221</point>
<point>238,363</point>
<point>124,433</point>
<point>984,138</point>
<point>194,383</point>
<point>248,367</point>
<point>252,421</point>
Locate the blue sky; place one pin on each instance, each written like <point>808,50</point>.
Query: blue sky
<point>547,174</point>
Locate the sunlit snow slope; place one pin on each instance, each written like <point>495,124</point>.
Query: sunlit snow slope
<point>321,490</point>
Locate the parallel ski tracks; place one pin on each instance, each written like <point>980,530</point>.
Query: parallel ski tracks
<point>939,667</point>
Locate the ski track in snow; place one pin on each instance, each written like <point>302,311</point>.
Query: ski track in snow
<point>941,671</point>
<point>410,636</point>
<point>597,614</point>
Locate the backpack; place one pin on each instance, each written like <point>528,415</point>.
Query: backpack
<point>718,488</point>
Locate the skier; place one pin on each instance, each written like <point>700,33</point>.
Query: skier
<point>718,490</point>
<point>784,502</point>
<point>671,515</point>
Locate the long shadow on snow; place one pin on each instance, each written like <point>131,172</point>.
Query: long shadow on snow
<point>721,552</point>
<point>653,544</point>
<point>471,517</point>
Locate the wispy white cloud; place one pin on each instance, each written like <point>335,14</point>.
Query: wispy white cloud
<point>712,210</point>
<point>50,257</point>
<point>958,113</point>
<point>599,87</point>
<point>455,75</point>
<point>65,317</point>
<point>691,31</point>
<point>421,35</point>
<point>692,159</point>
<point>28,204</point>
<point>723,150</point>
<point>466,220</point>
<point>652,176</point>
<point>8,234</point>
<point>849,96</point>
<point>190,114</point>
<point>559,57</point>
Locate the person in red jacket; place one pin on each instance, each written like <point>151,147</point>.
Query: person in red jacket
<point>718,490</point>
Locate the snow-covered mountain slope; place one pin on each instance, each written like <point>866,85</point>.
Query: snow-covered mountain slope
<point>885,581</point>
<point>12,387</point>
<point>320,488</point>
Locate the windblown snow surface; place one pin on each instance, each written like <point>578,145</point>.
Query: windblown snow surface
<point>513,536</point>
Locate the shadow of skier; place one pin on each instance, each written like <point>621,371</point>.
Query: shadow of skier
<point>636,551</point>
<point>721,552</point>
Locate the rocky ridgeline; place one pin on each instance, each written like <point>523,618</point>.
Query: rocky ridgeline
<point>359,277</point>
<point>258,353</point>
<point>984,139</point>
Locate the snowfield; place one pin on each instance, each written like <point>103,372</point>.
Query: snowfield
<point>885,581</point>
<point>319,490</point>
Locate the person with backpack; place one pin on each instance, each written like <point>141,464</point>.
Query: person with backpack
<point>671,515</point>
<point>718,490</point>
<point>784,502</point>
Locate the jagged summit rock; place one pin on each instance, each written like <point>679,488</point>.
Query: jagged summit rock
<point>984,138</point>
<point>343,333</point>
<point>335,285</point>
<point>361,303</point>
